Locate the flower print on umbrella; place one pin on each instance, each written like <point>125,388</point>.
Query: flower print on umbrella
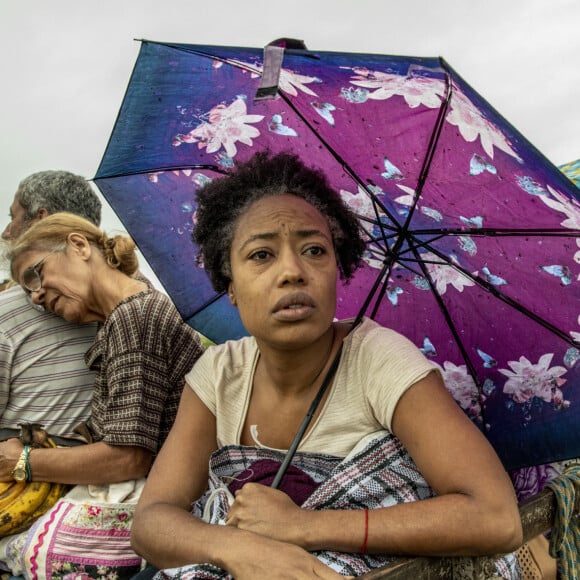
<point>276,125</point>
<point>467,244</point>
<point>568,206</point>
<point>359,202</point>
<point>572,354</point>
<point>416,90</point>
<point>391,171</point>
<point>408,201</point>
<point>530,185</point>
<point>462,386</point>
<point>289,80</point>
<point>479,164</point>
<point>226,125</point>
<point>444,274</point>
<point>527,380</point>
<point>472,124</point>
<point>431,213</point>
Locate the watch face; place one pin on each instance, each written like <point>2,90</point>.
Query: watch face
<point>19,474</point>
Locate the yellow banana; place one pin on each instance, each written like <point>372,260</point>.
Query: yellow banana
<point>25,503</point>
<point>9,495</point>
<point>57,490</point>
<point>21,503</point>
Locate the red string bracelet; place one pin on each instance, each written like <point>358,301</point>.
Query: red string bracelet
<point>363,549</point>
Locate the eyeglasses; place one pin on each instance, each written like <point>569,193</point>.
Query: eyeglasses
<point>31,279</point>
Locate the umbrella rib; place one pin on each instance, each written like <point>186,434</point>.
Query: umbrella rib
<point>406,266</point>
<point>380,277</point>
<point>449,320</point>
<point>431,147</point>
<point>419,244</point>
<point>499,295</point>
<point>206,167</point>
<point>427,244</point>
<point>377,222</point>
<point>381,242</point>
<point>376,242</point>
<point>337,157</point>
<point>383,288</point>
<point>181,48</point>
<point>500,232</point>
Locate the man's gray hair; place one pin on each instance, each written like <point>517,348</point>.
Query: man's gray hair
<point>58,191</point>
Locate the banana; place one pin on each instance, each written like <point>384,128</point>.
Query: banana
<point>9,495</point>
<point>18,511</point>
<point>22,503</point>
<point>57,490</point>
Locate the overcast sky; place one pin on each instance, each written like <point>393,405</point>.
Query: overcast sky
<point>65,64</point>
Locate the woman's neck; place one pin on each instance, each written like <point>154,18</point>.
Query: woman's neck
<point>113,288</point>
<point>292,372</point>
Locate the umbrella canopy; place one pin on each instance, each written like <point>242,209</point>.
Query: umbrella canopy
<point>472,233</point>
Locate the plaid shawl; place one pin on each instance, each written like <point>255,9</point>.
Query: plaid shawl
<point>377,473</point>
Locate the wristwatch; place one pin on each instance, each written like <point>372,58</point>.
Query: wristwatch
<point>20,471</point>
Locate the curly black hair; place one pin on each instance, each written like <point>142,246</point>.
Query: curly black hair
<point>222,201</point>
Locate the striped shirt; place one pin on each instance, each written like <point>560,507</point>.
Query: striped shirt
<point>141,355</point>
<point>43,375</point>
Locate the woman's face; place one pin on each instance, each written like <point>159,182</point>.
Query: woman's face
<point>284,271</point>
<point>64,282</point>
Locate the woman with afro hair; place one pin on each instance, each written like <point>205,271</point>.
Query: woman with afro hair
<point>389,464</point>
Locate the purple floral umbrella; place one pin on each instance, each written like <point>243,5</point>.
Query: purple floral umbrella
<point>473,235</point>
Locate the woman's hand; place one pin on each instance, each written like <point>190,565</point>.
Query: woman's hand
<point>268,512</point>
<point>10,451</point>
<point>274,516</point>
<point>281,560</point>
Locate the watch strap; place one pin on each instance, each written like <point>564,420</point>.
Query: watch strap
<point>23,464</point>
<point>26,452</point>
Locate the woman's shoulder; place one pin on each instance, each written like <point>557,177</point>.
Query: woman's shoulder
<point>371,332</point>
<point>149,309</point>
<point>232,351</point>
<point>229,359</point>
<point>371,344</point>
<point>149,303</point>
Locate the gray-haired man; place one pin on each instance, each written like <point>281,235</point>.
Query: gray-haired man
<point>43,375</point>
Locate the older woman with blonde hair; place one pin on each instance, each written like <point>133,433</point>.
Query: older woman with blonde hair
<point>141,352</point>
